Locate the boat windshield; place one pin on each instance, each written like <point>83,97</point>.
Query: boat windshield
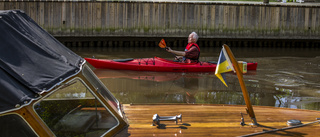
<point>73,110</point>
<point>101,89</point>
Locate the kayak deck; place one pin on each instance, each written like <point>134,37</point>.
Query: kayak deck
<point>157,64</point>
<point>217,120</point>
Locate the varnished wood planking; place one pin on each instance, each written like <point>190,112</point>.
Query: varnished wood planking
<point>174,131</point>
<point>215,120</point>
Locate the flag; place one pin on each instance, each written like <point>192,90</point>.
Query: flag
<point>224,65</point>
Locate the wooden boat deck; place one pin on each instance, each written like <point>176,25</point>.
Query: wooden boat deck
<point>217,120</point>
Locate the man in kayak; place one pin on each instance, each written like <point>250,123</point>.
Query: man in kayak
<point>192,50</point>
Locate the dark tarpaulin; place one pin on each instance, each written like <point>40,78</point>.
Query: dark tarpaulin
<point>31,60</point>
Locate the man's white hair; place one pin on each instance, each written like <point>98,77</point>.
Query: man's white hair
<point>195,36</point>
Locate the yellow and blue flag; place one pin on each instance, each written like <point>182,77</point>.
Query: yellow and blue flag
<point>224,65</point>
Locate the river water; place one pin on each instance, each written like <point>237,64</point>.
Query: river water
<point>285,77</point>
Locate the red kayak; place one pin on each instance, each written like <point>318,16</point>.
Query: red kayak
<point>157,64</point>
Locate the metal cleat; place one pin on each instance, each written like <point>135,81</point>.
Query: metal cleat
<point>156,119</point>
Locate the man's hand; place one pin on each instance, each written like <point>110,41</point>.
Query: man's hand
<point>178,57</point>
<point>169,49</point>
<point>179,53</point>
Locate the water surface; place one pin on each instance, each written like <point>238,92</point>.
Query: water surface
<point>286,77</point>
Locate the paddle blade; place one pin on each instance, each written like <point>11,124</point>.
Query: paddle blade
<point>162,44</point>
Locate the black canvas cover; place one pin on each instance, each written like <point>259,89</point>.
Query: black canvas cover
<point>31,60</point>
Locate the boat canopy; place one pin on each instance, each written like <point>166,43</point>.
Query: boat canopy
<point>31,60</point>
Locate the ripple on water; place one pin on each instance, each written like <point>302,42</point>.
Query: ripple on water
<point>286,79</point>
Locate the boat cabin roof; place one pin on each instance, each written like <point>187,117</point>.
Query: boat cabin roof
<point>31,60</point>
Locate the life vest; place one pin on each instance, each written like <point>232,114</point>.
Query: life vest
<point>190,45</point>
<point>188,48</point>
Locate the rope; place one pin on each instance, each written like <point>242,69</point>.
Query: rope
<point>146,61</point>
<point>281,129</point>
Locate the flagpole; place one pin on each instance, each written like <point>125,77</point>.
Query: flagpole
<point>242,84</point>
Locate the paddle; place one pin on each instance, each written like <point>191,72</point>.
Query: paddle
<point>162,44</point>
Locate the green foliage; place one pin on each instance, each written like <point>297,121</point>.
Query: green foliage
<point>47,110</point>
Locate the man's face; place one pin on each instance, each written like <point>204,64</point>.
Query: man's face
<point>190,38</point>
